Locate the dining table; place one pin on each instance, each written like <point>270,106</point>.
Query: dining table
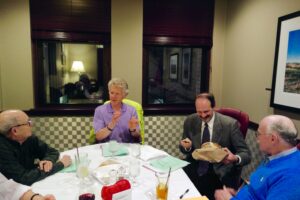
<point>66,185</point>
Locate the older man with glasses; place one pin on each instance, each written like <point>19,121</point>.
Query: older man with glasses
<point>278,178</point>
<point>23,156</point>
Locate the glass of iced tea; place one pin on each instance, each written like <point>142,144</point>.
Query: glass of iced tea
<point>162,187</point>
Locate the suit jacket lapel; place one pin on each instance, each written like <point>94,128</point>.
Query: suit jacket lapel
<point>197,134</point>
<point>217,130</point>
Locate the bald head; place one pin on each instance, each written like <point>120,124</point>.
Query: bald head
<point>281,125</point>
<point>9,119</point>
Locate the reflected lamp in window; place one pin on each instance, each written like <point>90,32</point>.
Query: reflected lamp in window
<point>70,73</point>
<point>77,66</point>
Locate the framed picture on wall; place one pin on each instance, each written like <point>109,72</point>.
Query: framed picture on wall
<point>173,66</point>
<point>186,66</point>
<point>286,73</point>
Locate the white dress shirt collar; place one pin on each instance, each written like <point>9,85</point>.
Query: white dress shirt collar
<point>210,124</point>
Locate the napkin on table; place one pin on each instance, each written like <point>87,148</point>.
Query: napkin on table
<point>122,151</point>
<point>149,153</point>
<point>164,164</point>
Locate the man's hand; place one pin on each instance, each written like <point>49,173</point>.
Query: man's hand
<point>45,165</point>
<point>224,194</point>
<point>66,160</point>
<point>186,143</point>
<point>230,158</point>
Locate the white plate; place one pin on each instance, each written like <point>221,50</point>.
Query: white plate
<point>102,173</point>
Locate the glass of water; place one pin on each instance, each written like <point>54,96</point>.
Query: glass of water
<point>113,147</point>
<point>134,171</point>
<point>136,150</point>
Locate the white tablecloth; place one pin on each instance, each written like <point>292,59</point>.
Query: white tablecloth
<point>65,186</point>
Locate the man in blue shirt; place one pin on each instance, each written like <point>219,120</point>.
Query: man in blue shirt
<point>278,176</point>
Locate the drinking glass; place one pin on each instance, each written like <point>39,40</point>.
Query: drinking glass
<point>134,171</point>
<point>136,150</point>
<point>82,165</point>
<point>162,187</point>
<point>82,170</point>
<point>121,172</point>
<point>113,147</point>
<point>112,176</point>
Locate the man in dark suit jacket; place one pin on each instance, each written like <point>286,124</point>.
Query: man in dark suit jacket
<point>223,130</point>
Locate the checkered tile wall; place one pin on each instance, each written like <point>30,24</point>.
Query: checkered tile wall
<point>63,133</point>
<point>162,132</point>
<point>257,156</point>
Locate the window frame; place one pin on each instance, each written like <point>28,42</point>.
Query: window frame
<point>41,108</point>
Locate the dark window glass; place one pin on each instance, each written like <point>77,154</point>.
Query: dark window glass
<point>174,74</point>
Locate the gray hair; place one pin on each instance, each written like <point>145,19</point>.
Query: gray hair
<point>7,121</point>
<point>119,82</point>
<point>284,127</point>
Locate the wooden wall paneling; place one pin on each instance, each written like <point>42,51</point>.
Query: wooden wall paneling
<point>178,22</point>
<point>71,16</point>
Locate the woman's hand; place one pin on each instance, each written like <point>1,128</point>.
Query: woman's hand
<point>133,123</point>
<point>115,118</point>
<point>132,126</point>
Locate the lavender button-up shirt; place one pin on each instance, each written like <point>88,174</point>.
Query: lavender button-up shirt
<point>102,117</point>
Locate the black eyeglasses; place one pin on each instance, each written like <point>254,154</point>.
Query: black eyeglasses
<point>29,123</point>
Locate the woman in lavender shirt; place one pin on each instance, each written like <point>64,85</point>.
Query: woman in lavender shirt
<point>116,120</point>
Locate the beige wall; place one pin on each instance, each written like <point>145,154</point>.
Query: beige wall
<point>242,54</point>
<point>249,54</point>
<point>16,85</point>
<point>126,53</point>
<point>217,52</point>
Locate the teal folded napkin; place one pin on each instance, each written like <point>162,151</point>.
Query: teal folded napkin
<point>71,168</point>
<point>164,164</point>
<point>120,152</point>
